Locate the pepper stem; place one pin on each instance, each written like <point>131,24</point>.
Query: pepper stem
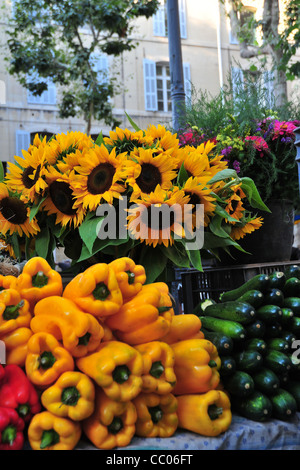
<point>23,410</point>
<point>49,438</point>
<point>84,340</point>
<point>163,309</point>
<point>115,426</point>
<point>101,291</point>
<point>214,411</point>
<point>121,374</point>
<point>11,312</point>
<point>70,396</point>
<point>212,363</point>
<point>156,413</point>
<point>39,279</point>
<point>131,277</point>
<point>157,369</point>
<point>46,360</point>
<point>9,434</point>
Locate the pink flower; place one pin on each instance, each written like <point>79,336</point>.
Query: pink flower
<point>283,128</point>
<point>259,144</point>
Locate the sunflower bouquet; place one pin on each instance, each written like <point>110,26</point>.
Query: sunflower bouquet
<point>96,200</point>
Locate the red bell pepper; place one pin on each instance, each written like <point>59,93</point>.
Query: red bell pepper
<point>16,391</point>
<point>11,430</point>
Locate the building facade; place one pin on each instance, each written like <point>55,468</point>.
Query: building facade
<point>210,53</point>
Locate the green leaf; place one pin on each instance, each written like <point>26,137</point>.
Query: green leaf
<point>253,196</point>
<point>216,226</point>
<point>42,242</point>
<point>89,230</point>
<point>1,172</point>
<point>224,214</point>
<point>223,175</point>
<point>153,261</point>
<point>195,259</point>
<point>177,254</point>
<point>100,139</point>
<point>134,125</point>
<point>35,208</point>
<point>182,176</point>
<point>211,241</point>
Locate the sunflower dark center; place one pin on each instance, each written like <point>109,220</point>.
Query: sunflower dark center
<point>101,178</point>
<point>158,218</point>
<point>194,200</point>
<point>13,210</point>
<point>149,178</point>
<point>61,195</point>
<point>29,182</point>
<point>234,205</point>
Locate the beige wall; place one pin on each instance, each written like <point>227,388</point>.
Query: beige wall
<point>199,49</point>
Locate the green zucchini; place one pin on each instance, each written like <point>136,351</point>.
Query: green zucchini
<point>257,407</point>
<point>279,344</point>
<point>274,297</point>
<point>277,280</point>
<point>273,331</point>
<point>293,387</point>
<point>284,379</point>
<point>239,384</point>
<point>287,315</point>
<point>256,329</point>
<point>256,344</point>
<point>266,381</point>
<point>284,405</point>
<point>277,361</point>
<point>199,309</point>
<point>269,314</point>
<point>228,366</point>
<point>240,312</point>
<point>248,361</point>
<point>289,336</point>
<point>223,343</point>
<point>253,297</point>
<point>293,303</point>
<point>259,282</point>
<point>229,328</point>
<point>295,325</point>
<point>292,271</point>
<point>292,287</point>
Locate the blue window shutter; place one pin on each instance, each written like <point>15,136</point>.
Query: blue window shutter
<point>150,90</point>
<point>159,21</point>
<point>187,82</point>
<point>237,76</point>
<point>182,18</point>
<point>99,63</point>
<point>22,142</point>
<point>47,97</point>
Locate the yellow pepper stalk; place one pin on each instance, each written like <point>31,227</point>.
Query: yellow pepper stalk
<point>158,367</point>
<point>208,414</point>
<point>196,366</point>
<point>14,312</point>
<point>16,345</point>
<point>49,432</point>
<point>96,290</point>
<point>142,318</point>
<point>71,396</point>
<point>156,415</point>
<point>38,280</point>
<point>46,359</point>
<point>79,332</point>
<point>130,276</point>
<point>112,424</point>
<point>116,367</point>
<point>182,327</point>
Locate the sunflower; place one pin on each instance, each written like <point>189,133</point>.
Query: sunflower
<point>14,215</point>
<point>63,144</point>
<point>239,231</point>
<point>37,142</point>
<point>217,164</point>
<point>235,207</point>
<point>60,199</point>
<point>99,177</point>
<point>199,194</point>
<point>196,163</point>
<point>156,216</point>
<point>28,177</point>
<point>149,169</point>
<point>7,248</point>
<point>163,139</point>
<point>125,140</point>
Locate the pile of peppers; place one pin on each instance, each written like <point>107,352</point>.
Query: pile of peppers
<point>105,357</point>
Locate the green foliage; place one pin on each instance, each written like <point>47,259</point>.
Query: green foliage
<point>47,39</point>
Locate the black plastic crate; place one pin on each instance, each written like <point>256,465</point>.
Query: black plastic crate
<point>194,286</point>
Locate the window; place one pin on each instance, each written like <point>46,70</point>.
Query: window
<point>99,64</point>
<point>157,85</point>
<point>259,83</point>
<point>160,23</point>
<point>22,142</point>
<point>47,97</point>
<point>245,16</point>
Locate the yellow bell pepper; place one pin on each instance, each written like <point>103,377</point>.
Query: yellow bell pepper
<point>112,424</point>
<point>96,290</point>
<point>38,280</point>
<point>14,312</point>
<point>156,415</point>
<point>116,367</point>
<point>79,332</point>
<point>71,396</point>
<point>49,432</point>
<point>196,366</point>
<point>46,359</point>
<point>158,367</point>
<point>16,345</point>
<point>7,282</point>
<point>182,327</point>
<point>208,414</point>
<point>130,276</point>
<point>142,318</point>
